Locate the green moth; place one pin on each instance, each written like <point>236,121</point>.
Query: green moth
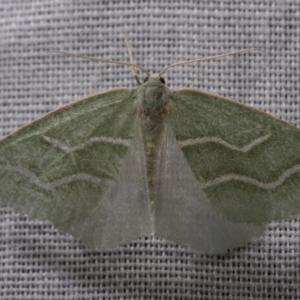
<point>187,166</point>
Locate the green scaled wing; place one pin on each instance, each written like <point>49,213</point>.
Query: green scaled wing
<point>68,168</point>
<point>183,213</point>
<point>247,162</point>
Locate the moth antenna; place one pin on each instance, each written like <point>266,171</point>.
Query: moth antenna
<point>100,60</point>
<point>133,70</point>
<point>208,58</point>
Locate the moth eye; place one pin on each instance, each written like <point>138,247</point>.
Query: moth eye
<point>162,80</point>
<point>146,79</point>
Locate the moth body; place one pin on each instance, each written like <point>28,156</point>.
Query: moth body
<point>153,99</point>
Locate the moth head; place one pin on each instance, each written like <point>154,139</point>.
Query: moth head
<point>162,80</point>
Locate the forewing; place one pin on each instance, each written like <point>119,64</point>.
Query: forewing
<point>68,168</point>
<point>248,162</point>
<point>182,211</point>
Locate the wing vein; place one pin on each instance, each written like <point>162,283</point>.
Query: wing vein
<point>264,185</point>
<point>48,186</point>
<point>103,139</point>
<point>217,140</point>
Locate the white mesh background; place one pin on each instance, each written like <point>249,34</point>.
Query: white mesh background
<point>37,261</point>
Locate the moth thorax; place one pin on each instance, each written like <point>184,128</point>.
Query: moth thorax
<point>154,102</point>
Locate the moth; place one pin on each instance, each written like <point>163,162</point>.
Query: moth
<point>186,166</point>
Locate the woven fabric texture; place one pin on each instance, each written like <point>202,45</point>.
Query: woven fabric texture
<point>39,262</point>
